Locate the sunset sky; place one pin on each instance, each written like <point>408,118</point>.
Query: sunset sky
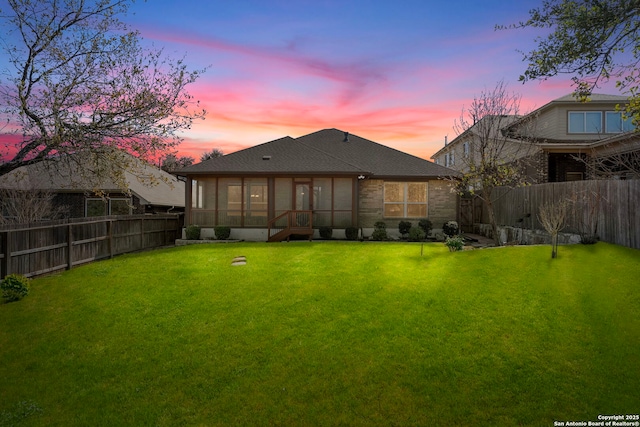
<point>396,72</point>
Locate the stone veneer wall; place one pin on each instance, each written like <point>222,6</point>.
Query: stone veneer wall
<point>442,204</point>
<point>370,202</point>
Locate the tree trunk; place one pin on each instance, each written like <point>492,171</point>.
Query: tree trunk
<point>492,221</point>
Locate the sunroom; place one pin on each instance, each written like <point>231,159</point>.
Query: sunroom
<point>264,202</point>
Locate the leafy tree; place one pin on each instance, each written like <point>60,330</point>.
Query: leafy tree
<point>593,40</point>
<point>171,162</point>
<point>216,152</point>
<point>492,158</point>
<point>80,80</point>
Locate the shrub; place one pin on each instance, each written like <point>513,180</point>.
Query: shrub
<point>404,227</point>
<point>222,232</point>
<point>454,243</point>
<point>379,231</point>
<point>426,225</point>
<point>450,228</point>
<point>416,234</point>
<point>14,287</point>
<point>351,233</point>
<point>588,239</point>
<point>192,232</point>
<point>326,232</point>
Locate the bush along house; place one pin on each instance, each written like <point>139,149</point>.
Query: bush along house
<point>329,178</point>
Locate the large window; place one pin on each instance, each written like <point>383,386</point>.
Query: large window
<point>405,199</point>
<point>615,123</point>
<point>585,122</point>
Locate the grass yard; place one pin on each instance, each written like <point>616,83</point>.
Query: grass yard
<point>327,333</point>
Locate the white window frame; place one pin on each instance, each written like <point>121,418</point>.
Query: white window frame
<point>585,123</point>
<point>622,125</point>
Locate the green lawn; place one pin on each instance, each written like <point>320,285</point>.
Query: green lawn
<point>327,333</point>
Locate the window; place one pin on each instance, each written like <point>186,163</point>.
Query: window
<point>449,159</point>
<point>119,207</point>
<point>585,122</point>
<point>574,176</point>
<point>465,149</point>
<point>405,199</point>
<point>111,206</point>
<point>615,123</point>
<point>95,207</point>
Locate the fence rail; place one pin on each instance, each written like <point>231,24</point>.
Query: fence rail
<point>610,208</point>
<point>36,249</point>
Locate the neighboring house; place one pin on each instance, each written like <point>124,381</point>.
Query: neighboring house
<point>565,140</point>
<point>327,178</point>
<point>151,189</point>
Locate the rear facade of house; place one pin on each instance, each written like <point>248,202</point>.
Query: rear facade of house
<point>325,179</point>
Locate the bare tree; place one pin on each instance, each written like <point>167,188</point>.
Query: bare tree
<point>491,157</point>
<point>615,160</point>
<point>23,207</point>
<point>552,217</point>
<point>216,152</point>
<point>80,80</point>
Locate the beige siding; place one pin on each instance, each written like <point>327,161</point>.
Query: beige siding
<point>553,122</point>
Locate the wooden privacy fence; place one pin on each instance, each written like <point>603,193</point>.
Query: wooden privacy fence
<point>36,249</point>
<point>611,208</point>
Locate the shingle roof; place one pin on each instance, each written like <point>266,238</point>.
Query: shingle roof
<point>595,97</point>
<point>55,176</point>
<point>321,152</point>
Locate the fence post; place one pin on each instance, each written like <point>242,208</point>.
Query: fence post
<point>110,237</point>
<point>69,246</point>
<point>142,233</point>
<point>5,267</point>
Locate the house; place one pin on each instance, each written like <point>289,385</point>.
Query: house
<point>75,186</point>
<point>564,140</point>
<point>327,178</point>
